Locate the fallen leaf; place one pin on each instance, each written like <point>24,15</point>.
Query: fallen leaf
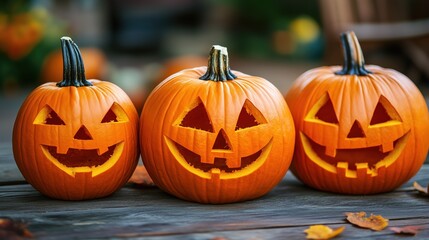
<point>13,229</point>
<point>322,232</point>
<point>374,222</point>
<point>219,238</point>
<point>140,177</point>
<point>422,190</point>
<point>407,230</point>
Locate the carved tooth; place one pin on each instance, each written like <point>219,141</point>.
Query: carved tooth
<point>102,150</point>
<point>62,149</point>
<point>342,168</point>
<point>330,151</point>
<point>361,165</point>
<point>233,164</point>
<point>362,169</point>
<point>209,160</point>
<point>386,147</point>
<point>343,165</point>
<point>215,173</point>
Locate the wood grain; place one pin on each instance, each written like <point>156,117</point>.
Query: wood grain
<point>136,212</point>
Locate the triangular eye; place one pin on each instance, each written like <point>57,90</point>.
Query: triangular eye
<point>115,114</point>
<point>326,112</point>
<point>109,117</point>
<point>48,116</point>
<point>197,118</point>
<point>249,116</point>
<point>384,112</point>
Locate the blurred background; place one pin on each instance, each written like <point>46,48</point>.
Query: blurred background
<point>137,43</point>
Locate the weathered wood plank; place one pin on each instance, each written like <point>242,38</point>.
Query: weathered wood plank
<point>9,172</point>
<point>286,211</point>
<point>134,212</point>
<point>295,232</point>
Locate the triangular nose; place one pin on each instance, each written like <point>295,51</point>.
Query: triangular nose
<point>221,142</point>
<point>356,131</point>
<point>83,134</point>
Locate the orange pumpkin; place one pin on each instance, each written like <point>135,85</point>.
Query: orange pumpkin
<point>360,129</point>
<point>212,135</point>
<point>95,65</point>
<point>176,64</point>
<point>76,139</point>
<point>19,34</point>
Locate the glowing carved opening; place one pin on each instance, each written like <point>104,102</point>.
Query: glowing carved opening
<point>83,134</point>
<point>48,116</point>
<point>81,158</point>
<point>84,160</point>
<point>327,113</point>
<point>356,131</point>
<point>109,117</point>
<point>384,112</point>
<point>221,142</point>
<point>367,159</point>
<point>323,112</point>
<point>249,116</point>
<point>115,114</point>
<point>197,118</point>
<point>192,162</point>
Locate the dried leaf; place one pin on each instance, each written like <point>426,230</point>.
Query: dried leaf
<point>13,229</point>
<point>140,177</point>
<point>219,238</point>
<point>421,189</point>
<point>407,230</point>
<point>322,232</point>
<point>374,222</point>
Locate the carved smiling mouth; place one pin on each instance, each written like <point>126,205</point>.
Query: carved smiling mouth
<point>352,161</point>
<point>219,168</point>
<point>84,160</point>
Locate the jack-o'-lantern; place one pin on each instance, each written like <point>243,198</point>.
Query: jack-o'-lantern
<point>212,135</point>
<point>76,139</point>
<point>361,129</point>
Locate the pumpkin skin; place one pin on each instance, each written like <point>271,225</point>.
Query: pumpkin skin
<point>361,129</point>
<point>76,139</point>
<point>216,140</point>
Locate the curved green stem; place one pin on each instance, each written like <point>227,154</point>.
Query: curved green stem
<point>218,65</point>
<point>73,68</point>
<point>354,63</point>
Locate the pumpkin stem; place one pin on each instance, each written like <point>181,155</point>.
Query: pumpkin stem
<point>73,68</point>
<point>218,65</point>
<point>354,63</point>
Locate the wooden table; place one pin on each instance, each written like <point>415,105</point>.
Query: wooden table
<point>135,212</point>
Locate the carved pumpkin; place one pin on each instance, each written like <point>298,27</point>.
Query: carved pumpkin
<point>212,135</point>
<point>360,129</point>
<point>76,139</point>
